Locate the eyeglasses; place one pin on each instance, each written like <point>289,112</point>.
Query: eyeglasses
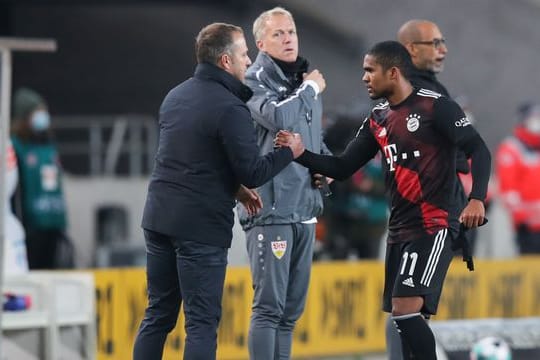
<point>436,43</point>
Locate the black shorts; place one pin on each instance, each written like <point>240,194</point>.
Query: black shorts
<point>417,268</point>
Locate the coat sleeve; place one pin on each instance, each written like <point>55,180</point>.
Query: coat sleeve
<point>239,141</point>
<point>275,113</point>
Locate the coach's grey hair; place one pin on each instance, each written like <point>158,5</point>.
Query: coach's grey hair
<point>260,22</point>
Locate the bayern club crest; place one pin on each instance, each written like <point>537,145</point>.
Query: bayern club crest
<point>413,122</point>
<point>279,247</point>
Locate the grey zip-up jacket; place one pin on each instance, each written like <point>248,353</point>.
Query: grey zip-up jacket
<point>288,197</point>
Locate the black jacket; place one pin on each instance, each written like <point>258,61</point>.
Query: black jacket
<point>427,80</point>
<point>207,148</point>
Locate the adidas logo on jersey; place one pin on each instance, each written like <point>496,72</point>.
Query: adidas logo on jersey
<point>409,282</point>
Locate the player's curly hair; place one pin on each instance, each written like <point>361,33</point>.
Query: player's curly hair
<point>392,54</point>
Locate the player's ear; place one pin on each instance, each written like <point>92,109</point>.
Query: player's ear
<point>394,73</point>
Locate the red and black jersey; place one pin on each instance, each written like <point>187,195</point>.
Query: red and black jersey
<point>418,139</point>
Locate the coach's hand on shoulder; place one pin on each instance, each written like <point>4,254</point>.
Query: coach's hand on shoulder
<point>316,76</point>
<point>473,214</point>
<point>250,199</point>
<point>294,141</point>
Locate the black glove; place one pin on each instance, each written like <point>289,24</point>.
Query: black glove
<point>463,242</point>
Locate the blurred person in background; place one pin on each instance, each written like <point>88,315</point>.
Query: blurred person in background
<point>357,212</point>
<point>40,200</point>
<point>280,239</point>
<point>518,172</point>
<point>427,46</point>
<point>207,149</point>
<point>15,257</point>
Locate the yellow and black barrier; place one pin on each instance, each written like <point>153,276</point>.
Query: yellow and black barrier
<point>342,313</point>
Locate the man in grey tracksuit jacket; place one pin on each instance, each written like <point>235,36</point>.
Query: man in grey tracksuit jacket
<point>280,238</point>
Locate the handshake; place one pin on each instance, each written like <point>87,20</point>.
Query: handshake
<point>294,141</point>
<point>288,139</point>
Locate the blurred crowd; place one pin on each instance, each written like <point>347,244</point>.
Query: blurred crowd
<point>356,215</point>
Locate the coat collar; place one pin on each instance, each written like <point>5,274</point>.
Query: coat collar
<point>427,79</point>
<point>214,73</point>
<point>424,74</point>
<point>264,60</point>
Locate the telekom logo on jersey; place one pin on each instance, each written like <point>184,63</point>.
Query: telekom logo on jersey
<point>391,153</point>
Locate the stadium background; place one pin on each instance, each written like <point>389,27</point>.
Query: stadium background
<point>115,61</point>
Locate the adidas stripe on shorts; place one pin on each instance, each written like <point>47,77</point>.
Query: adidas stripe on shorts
<point>417,268</point>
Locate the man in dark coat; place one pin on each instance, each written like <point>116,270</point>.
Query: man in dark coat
<point>207,149</point>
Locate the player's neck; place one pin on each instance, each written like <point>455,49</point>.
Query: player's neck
<point>402,91</point>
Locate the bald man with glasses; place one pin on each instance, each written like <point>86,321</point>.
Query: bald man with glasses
<point>428,50</point>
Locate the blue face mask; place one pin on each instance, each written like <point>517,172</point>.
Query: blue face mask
<point>40,120</point>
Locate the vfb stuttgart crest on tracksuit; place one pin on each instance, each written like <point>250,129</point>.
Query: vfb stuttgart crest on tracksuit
<point>279,247</point>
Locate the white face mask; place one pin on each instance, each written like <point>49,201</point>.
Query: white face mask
<point>40,120</point>
<point>533,124</point>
